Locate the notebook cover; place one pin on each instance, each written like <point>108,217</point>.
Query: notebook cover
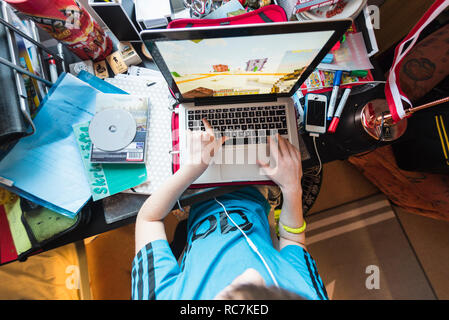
<point>7,249</point>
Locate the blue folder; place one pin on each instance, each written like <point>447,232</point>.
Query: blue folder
<point>46,167</point>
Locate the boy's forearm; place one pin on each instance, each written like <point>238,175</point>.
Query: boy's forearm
<point>161,202</point>
<point>291,216</point>
<point>291,213</point>
<point>149,222</point>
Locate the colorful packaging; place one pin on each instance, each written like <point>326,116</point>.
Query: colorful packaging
<point>70,23</point>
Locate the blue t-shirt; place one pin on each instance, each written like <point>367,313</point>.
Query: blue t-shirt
<point>217,253</point>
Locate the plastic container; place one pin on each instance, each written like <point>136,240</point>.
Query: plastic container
<point>68,22</point>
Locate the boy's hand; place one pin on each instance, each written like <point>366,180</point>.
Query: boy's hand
<point>287,172</point>
<point>202,146</point>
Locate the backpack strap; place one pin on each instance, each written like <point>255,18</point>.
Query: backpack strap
<point>393,93</point>
<point>264,17</point>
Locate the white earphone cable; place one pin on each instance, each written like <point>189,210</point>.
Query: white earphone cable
<point>251,244</point>
<point>318,155</point>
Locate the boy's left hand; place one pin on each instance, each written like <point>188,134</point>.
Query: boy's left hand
<point>202,146</point>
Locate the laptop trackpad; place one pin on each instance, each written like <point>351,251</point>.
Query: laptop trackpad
<point>240,164</point>
<point>211,175</point>
<point>241,172</point>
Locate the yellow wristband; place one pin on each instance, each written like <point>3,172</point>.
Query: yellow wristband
<point>277,214</point>
<point>295,230</point>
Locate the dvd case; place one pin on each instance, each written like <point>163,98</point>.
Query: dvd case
<point>134,152</point>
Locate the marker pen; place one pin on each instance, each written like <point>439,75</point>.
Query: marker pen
<point>333,100</point>
<point>61,55</point>
<point>53,69</point>
<point>341,105</point>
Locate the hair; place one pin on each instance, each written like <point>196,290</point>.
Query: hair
<point>249,291</point>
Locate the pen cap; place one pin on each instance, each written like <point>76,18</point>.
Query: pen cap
<point>337,77</point>
<point>51,60</point>
<point>333,125</point>
<point>359,73</point>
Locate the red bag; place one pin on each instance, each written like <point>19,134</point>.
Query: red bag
<point>271,13</point>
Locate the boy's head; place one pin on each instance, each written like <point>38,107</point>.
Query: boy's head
<point>251,286</point>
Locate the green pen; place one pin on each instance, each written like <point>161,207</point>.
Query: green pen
<point>359,73</point>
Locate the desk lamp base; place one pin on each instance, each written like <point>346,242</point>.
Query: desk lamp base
<point>384,130</point>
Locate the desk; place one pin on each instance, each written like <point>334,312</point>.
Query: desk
<point>349,139</point>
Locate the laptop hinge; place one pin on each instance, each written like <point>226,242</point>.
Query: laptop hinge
<point>233,100</point>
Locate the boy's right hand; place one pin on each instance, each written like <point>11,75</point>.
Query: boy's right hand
<point>287,171</point>
<point>202,146</point>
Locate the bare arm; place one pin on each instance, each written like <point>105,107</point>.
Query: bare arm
<point>149,221</point>
<point>292,216</point>
<point>287,175</point>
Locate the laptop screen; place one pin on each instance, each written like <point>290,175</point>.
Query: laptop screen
<point>243,65</point>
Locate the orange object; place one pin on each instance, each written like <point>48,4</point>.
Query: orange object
<point>426,194</point>
<point>70,23</point>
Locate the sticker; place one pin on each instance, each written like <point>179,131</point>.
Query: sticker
<point>116,62</point>
<point>101,69</point>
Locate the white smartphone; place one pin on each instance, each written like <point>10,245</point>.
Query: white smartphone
<point>315,113</point>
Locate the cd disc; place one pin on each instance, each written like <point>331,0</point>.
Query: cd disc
<point>112,129</point>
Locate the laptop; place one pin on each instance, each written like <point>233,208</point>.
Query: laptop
<point>241,79</point>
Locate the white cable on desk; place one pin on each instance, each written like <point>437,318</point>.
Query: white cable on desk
<point>317,153</point>
<point>250,243</point>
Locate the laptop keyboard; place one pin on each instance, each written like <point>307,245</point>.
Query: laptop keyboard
<point>243,125</point>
